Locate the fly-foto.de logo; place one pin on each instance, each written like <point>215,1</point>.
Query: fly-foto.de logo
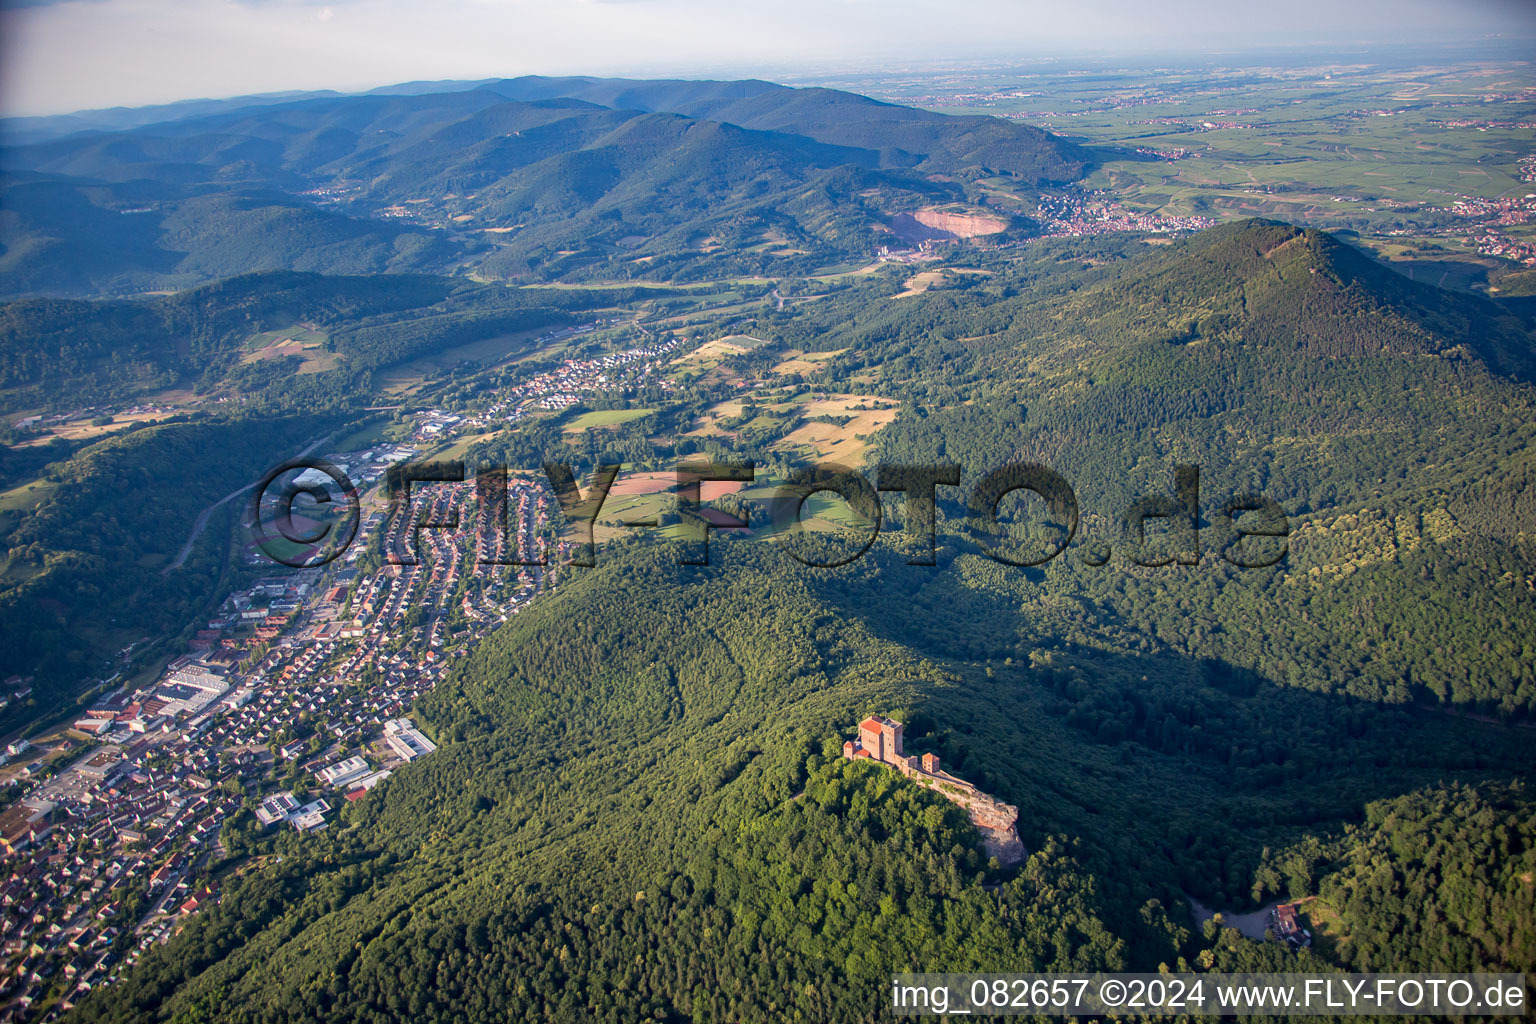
<point>305,513</point>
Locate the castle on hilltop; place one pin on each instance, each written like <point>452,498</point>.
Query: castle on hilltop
<point>880,741</point>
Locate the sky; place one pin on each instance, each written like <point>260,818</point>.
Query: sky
<point>82,54</point>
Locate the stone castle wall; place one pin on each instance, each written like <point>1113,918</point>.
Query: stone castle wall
<point>996,821</point>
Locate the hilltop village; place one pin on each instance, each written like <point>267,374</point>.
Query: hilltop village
<point>880,740</point>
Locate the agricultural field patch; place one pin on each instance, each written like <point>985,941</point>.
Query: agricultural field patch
<point>844,437</point>
<point>605,418</point>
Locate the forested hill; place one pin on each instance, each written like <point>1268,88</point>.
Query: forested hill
<point>1278,358</point>
<point>1255,290</point>
<point>73,562</point>
<point>1303,291</point>
<point>637,808</point>
<point>61,354</point>
<point>1391,422</point>
<point>903,136</point>
<point>654,822</point>
<point>897,135</point>
<point>507,178</point>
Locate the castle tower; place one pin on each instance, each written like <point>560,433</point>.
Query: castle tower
<point>871,739</point>
<point>880,738</point>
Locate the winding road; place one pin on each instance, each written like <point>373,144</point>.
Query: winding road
<point>203,517</point>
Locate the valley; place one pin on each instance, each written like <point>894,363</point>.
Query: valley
<point>460,770</point>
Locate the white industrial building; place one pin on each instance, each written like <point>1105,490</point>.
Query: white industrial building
<point>343,772</point>
<point>406,740</point>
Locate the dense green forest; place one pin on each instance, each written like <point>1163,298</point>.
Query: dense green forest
<point>1440,877</point>
<point>85,571</point>
<point>57,351</point>
<point>63,354</point>
<point>1392,422</point>
<point>637,810</point>
<point>655,822</point>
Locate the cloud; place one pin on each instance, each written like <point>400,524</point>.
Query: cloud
<point>92,53</point>
<point>6,5</point>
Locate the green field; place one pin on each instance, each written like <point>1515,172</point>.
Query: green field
<point>606,418</point>
<point>461,446</point>
<point>24,497</point>
<point>369,436</point>
<point>305,337</point>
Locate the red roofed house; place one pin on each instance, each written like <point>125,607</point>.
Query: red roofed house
<point>1288,925</point>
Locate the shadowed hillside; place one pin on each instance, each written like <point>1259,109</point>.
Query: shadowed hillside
<point>508,179</point>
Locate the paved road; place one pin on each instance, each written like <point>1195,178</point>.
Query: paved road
<point>203,517</point>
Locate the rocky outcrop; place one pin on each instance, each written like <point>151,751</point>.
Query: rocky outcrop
<point>996,821</point>
<point>880,741</point>
<point>933,225</point>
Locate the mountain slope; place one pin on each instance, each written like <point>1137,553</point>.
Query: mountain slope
<point>59,352</point>
<point>71,237</point>
<point>1391,422</point>
<point>632,802</point>
<point>444,180</point>
<point>654,821</point>
<point>903,136</point>
<point>1307,291</point>
<point>638,808</point>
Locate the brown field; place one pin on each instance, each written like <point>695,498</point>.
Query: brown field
<point>922,281</point>
<point>720,348</point>
<point>302,340</point>
<point>659,482</point>
<point>629,484</point>
<point>286,347</point>
<point>829,441</point>
<point>80,430</point>
<point>805,362</point>
<point>708,425</point>
<point>320,362</point>
<point>919,283</point>
<point>173,397</point>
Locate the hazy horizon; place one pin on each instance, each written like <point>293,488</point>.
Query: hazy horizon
<point>82,55</point>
